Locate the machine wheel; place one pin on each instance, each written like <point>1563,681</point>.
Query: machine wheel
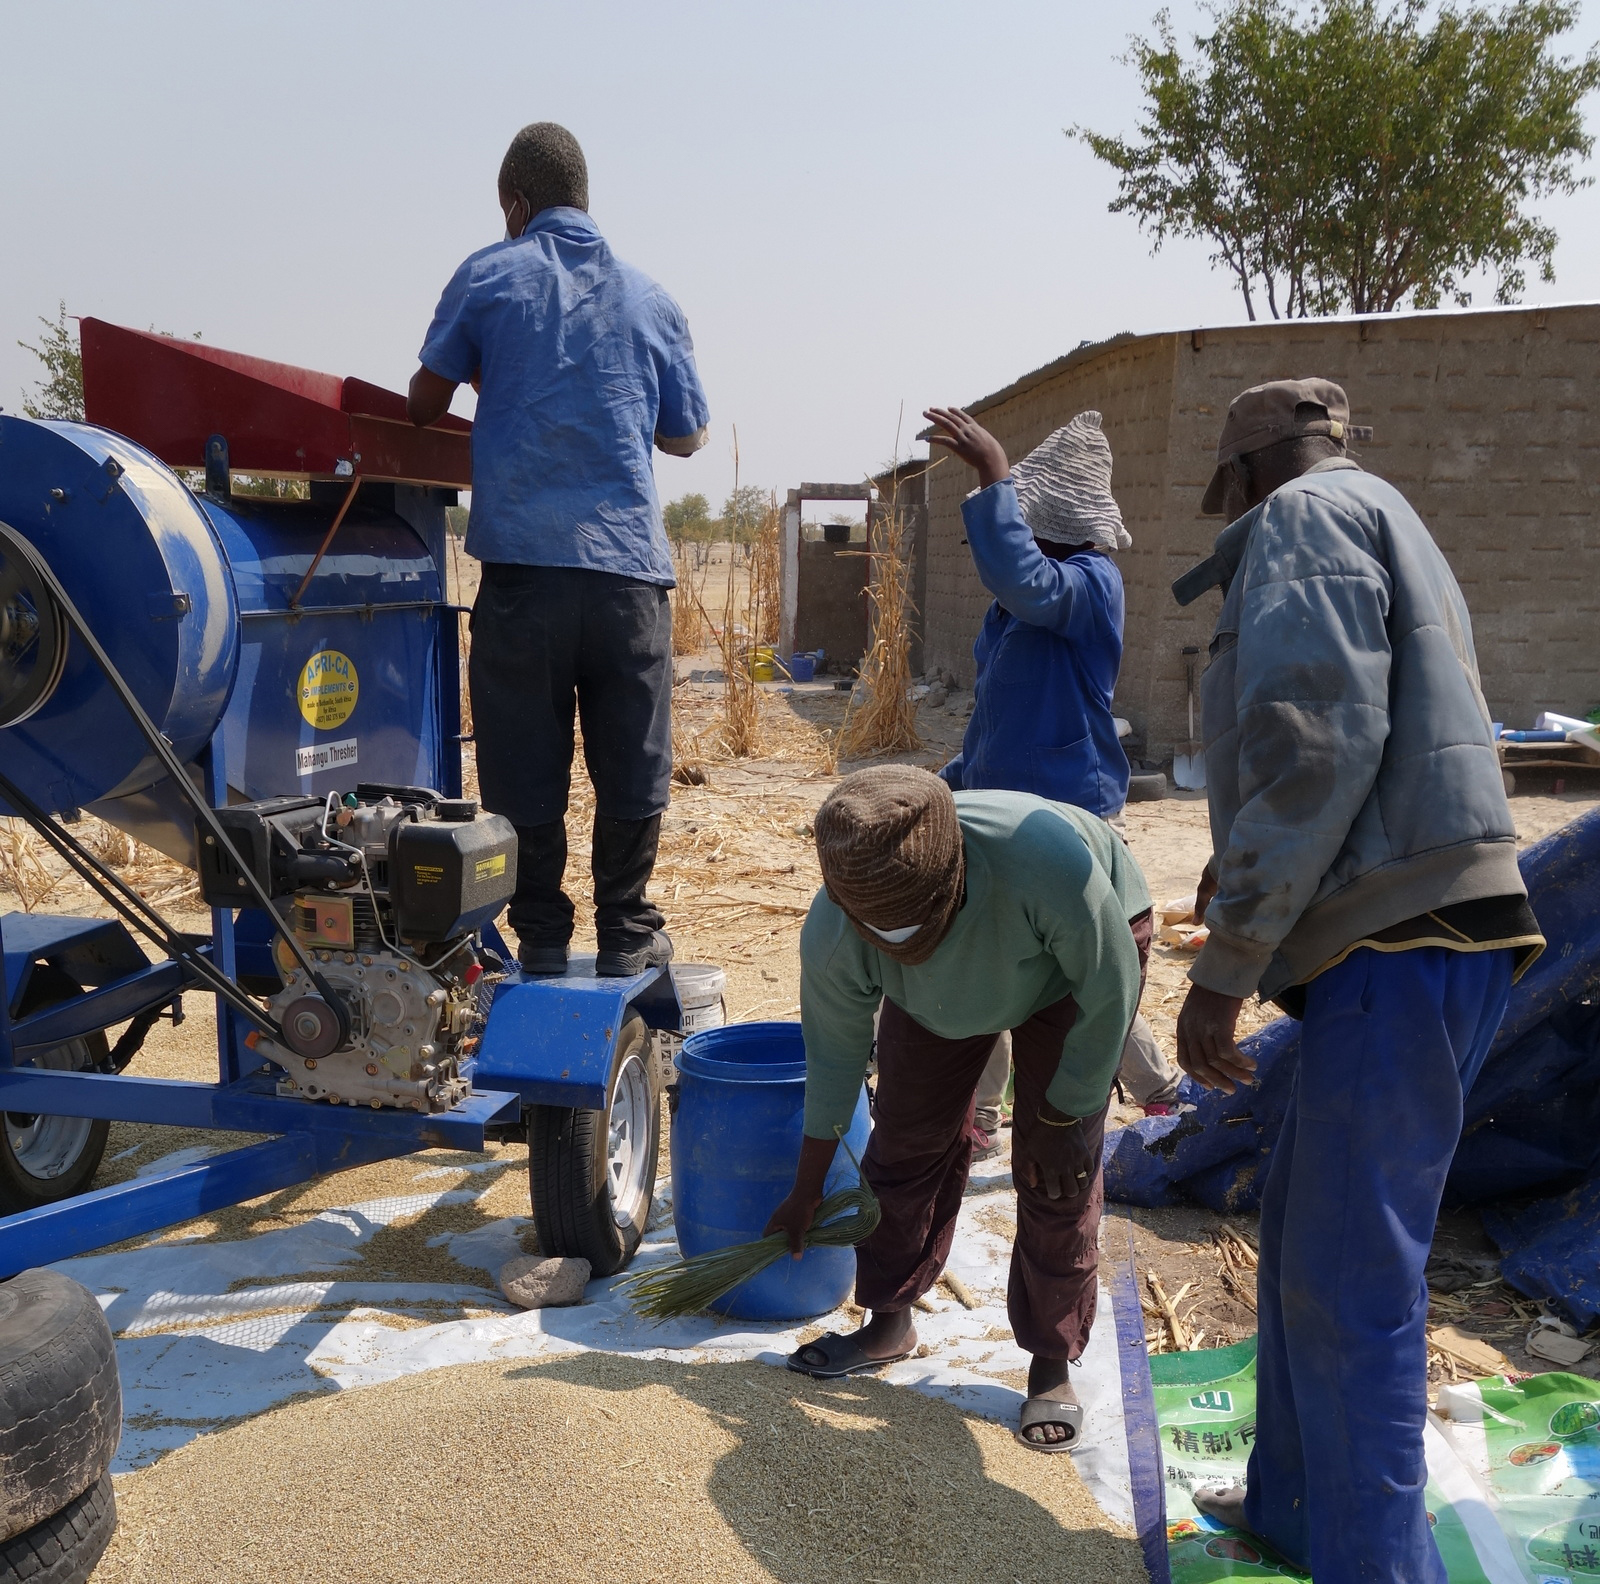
<point>46,1158</point>
<point>65,1547</point>
<point>593,1173</point>
<point>60,1401</point>
<point>1149,788</point>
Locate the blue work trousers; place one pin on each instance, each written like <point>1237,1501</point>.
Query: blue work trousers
<point>1391,1044</point>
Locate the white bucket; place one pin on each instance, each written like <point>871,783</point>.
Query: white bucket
<point>700,987</point>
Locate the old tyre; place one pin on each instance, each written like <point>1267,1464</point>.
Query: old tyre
<point>60,1400</point>
<point>1149,788</point>
<point>64,1548</point>
<point>592,1174</point>
<point>46,1158</point>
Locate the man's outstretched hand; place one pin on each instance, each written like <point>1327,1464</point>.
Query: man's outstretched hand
<point>1206,1047</point>
<point>970,441</point>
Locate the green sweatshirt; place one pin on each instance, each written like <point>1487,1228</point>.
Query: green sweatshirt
<point>1050,891</point>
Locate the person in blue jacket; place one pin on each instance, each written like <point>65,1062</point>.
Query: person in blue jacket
<point>1041,535</point>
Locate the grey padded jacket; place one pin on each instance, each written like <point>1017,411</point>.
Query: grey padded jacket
<point>1350,759</point>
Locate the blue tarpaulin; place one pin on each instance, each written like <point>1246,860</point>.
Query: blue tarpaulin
<point>1530,1144</point>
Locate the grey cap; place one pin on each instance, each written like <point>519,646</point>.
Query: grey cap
<point>1266,414</point>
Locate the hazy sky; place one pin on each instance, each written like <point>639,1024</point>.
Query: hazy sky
<point>858,205</point>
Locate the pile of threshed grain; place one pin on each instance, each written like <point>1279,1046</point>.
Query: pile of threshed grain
<point>597,1467</point>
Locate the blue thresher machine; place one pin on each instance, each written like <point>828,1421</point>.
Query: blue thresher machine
<point>267,690</point>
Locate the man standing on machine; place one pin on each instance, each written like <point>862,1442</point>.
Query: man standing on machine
<point>581,363</point>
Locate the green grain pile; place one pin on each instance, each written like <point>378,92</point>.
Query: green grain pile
<point>597,1467</point>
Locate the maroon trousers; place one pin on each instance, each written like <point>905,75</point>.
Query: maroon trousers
<point>917,1159</point>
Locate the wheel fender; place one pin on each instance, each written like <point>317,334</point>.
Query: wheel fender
<point>552,1040</point>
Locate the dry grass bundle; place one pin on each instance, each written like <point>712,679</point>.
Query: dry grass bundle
<point>23,870</point>
<point>689,627</point>
<point>463,641</point>
<point>887,721</point>
<point>32,874</point>
<point>739,733</point>
<point>764,578</point>
<point>688,765</point>
<point>110,845</point>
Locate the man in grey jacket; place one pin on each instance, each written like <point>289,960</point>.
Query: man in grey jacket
<point>1364,876</point>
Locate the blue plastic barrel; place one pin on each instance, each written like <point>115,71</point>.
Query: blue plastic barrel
<point>735,1144</point>
<point>802,668</point>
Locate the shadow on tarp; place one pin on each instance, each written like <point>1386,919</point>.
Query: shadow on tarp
<point>1532,1122</point>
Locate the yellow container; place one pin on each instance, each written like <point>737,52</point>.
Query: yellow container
<point>763,666</point>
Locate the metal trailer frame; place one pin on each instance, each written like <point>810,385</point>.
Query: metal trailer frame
<point>548,1041</point>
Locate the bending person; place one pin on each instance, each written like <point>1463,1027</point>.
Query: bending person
<point>963,914</point>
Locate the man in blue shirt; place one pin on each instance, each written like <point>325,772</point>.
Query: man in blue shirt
<point>582,363</point>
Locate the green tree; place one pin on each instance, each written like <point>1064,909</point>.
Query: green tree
<point>743,513</point>
<point>59,393</point>
<point>688,519</point>
<point>1351,157</point>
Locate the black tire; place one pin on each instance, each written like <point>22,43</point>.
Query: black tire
<point>66,1546</point>
<point>1147,788</point>
<point>1509,782</point>
<point>44,1159</point>
<point>570,1166</point>
<point>60,1398</point>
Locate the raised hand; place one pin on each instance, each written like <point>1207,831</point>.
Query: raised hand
<point>963,434</point>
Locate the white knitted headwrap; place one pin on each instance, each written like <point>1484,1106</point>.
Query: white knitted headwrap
<point>1064,488</point>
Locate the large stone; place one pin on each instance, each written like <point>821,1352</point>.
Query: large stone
<point>533,1281</point>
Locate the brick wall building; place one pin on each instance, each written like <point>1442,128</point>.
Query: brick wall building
<point>1487,420</point>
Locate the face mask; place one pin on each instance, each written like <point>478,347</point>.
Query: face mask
<point>895,937</point>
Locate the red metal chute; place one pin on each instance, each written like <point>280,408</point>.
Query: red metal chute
<point>171,396</point>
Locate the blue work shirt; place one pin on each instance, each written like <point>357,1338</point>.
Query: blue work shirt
<point>1048,656</point>
<point>584,361</point>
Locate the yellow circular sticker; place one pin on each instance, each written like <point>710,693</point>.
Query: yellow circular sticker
<point>328,689</point>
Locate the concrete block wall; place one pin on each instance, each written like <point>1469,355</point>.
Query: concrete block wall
<point>1485,420</point>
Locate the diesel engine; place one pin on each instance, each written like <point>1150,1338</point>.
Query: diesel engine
<point>385,890</point>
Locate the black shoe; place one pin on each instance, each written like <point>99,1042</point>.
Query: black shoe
<point>622,963</point>
<point>543,961</point>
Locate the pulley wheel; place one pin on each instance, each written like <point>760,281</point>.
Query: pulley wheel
<point>33,631</point>
<point>311,1028</point>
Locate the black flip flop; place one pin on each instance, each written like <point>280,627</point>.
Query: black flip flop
<point>1047,1411</point>
<point>843,1356</point>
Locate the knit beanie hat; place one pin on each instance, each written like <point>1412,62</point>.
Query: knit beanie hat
<point>1064,488</point>
<point>890,848</point>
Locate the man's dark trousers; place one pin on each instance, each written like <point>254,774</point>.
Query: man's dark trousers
<point>1391,1044</point>
<point>917,1160</point>
<point>551,644</point>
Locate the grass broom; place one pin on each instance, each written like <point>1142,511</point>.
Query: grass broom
<point>688,1286</point>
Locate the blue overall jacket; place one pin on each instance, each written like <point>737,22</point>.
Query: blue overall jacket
<point>1047,660</point>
